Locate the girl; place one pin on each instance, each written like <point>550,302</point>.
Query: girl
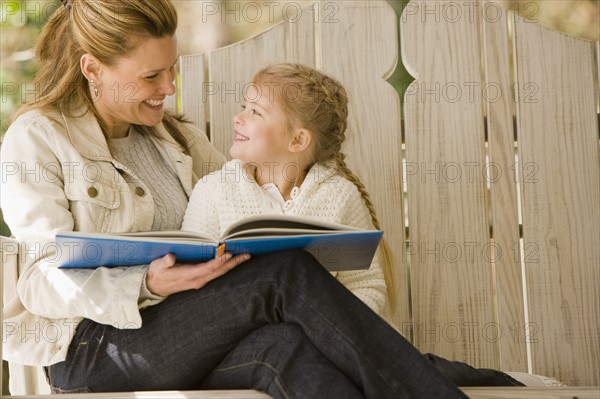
<point>288,160</point>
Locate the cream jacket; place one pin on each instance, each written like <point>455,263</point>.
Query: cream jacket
<point>58,174</point>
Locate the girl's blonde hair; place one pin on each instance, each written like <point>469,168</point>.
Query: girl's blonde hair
<point>318,103</point>
<point>106,29</point>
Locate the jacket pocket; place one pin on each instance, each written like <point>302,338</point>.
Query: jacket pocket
<point>93,203</point>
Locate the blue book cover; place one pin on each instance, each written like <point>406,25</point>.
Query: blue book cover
<point>337,247</point>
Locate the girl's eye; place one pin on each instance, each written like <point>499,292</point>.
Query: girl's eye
<point>252,110</point>
<point>151,77</point>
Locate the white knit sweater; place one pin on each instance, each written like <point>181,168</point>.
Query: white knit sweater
<point>227,195</point>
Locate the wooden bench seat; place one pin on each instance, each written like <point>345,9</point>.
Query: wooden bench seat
<point>225,394</point>
<point>533,393</point>
<point>473,393</point>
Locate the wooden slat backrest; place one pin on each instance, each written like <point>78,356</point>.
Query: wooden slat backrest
<point>503,191</point>
<point>320,36</point>
<point>230,71</point>
<point>445,156</point>
<point>557,129</point>
<point>193,87</point>
<point>556,318</point>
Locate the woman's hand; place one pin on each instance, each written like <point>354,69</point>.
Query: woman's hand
<point>165,277</point>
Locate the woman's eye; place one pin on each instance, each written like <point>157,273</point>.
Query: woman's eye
<point>255,112</point>
<point>151,77</point>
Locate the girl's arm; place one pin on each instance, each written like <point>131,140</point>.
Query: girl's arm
<point>368,285</point>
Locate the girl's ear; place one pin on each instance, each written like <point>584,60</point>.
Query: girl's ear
<point>90,67</point>
<point>301,141</point>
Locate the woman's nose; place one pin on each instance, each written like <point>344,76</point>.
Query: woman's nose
<point>169,86</point>
<point>167,83</point>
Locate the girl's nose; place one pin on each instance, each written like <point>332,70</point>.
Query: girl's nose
<point>238,119</point>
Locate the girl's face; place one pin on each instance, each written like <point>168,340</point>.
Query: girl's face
<point>133,90</point>
<point>260,135</point>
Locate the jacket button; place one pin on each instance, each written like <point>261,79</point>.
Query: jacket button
<point>92,192</point>
<point>140,191</point>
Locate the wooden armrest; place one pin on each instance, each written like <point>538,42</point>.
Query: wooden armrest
<point>9,254</point>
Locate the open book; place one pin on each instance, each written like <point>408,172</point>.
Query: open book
<point>337,247</point>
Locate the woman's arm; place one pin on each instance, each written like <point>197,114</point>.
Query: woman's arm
<point>37,203</point>
<point>36,207</point>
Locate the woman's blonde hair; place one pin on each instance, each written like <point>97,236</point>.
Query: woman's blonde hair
<point>106,29</point>
<point>319,103</point>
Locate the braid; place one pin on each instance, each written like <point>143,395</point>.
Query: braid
<point>340,163</point>
<point>336,99</point>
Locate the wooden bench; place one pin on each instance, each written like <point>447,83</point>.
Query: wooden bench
<point>488,192</point>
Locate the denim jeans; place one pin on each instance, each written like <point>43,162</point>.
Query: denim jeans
<point>465,375</point>
<point>279,323</point>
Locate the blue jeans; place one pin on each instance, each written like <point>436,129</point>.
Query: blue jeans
<point>465,375</point>
<point>279,323</point>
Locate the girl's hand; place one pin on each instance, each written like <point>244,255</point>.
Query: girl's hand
<point>165,277</point>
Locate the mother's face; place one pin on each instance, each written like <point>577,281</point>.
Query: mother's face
<point>133,90</point>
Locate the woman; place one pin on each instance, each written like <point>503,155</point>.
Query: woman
<point>106,157</point>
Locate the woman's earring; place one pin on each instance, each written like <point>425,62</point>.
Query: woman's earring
<point>95,88</point>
